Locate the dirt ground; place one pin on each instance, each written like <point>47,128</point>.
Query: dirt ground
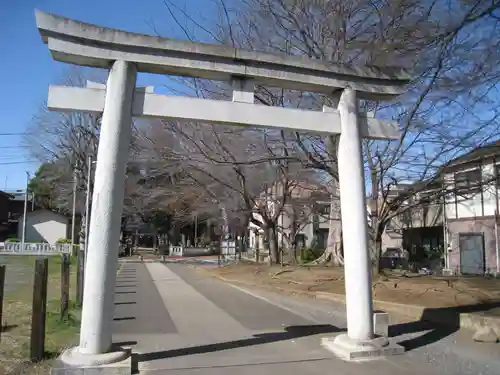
<point>421,290</point>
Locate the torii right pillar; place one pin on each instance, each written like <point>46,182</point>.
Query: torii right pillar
<point>360,341</point>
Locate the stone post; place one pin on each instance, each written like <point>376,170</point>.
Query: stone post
<point>354,222</point>
<point>104,234</point>
<point>360,342</point>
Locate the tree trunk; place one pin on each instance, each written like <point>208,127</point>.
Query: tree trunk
<point>242,247</point>
<point>333,254</point>
<point>272,240</point>
<point>293,249</point>
<point>377,252</point>
<point>375,245</point>
<point>336,247</point>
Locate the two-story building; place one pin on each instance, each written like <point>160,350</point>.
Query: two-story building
<point>472,206</point>
<point>460,219</point>
<point>304,219</point>
<point>418,229</point>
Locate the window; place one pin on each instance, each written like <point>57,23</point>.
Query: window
<point>300,240</point>
<point>393,252</point>
<point>497,174</point>
<point>406,217</point>
<point>469,181</point>
<point>324,209</point>
<point>321,238</point>
<point>389,226</point>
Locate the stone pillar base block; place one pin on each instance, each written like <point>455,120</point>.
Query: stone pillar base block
<point>381,323</point>
<point>71,361</point>
<point>354,350</point>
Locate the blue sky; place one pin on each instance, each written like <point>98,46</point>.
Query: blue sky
<point>27,69</point>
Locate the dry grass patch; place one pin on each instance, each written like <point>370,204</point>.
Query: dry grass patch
<point>15,339</point>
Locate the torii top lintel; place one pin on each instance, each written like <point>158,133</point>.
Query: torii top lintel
<point>85,44</point>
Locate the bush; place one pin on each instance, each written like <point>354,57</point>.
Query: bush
<point>12,240</point>
<point>204,241</point>
<point>63,241</point>
<point>310,254</point>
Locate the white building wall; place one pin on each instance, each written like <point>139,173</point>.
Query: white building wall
<point>479,204</point>
<point>490,194</point>
<point>44,226</point>
<point>450,208</point>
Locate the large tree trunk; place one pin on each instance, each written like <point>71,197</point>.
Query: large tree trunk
<point>335,246</point>
<point>333,254</point>
<point>272,241</point>
<point>292,252</point>
<point>244,237</point>
<point>376,253</point>
<point>375,240</point>
<point>292,243</point>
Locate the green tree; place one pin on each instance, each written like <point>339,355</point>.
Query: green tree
<point>43,186</point>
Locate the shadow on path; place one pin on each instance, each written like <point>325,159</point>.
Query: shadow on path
<point>290,333</point>
<point>439,322</point>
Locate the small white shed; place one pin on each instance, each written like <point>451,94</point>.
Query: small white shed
<point>45,226</point>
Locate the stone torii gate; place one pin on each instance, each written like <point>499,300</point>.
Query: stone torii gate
<point>125,54</point>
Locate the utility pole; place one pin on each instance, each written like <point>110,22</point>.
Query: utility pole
<point>73,216</point>
<point>23,238</point>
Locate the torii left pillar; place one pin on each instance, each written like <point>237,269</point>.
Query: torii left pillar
<point>107,207</point>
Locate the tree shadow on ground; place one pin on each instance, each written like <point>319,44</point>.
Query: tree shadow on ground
<point>439,322</point>
<point>291,332</point>
<point>8,327</point>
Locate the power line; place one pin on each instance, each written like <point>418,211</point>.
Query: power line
<point>13,133</point>
<point>13,146</point>
<point>20,162</point>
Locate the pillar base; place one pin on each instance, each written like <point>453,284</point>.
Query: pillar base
<point>71,361</point>
<point>355,350</point>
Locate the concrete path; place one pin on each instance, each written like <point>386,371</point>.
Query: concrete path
<point>179,321</point>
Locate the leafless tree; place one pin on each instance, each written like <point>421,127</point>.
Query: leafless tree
<point>451,107</point>
<point>63,143</point>
<point>306,206</point>
<point>226,169</point>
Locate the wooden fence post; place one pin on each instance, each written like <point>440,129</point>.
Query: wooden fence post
<point>65,272</point>
<point>80,273</point>
<point>2,285</point>
<point>37,345</point>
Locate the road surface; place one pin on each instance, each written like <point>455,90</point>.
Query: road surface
<point>180,321</point>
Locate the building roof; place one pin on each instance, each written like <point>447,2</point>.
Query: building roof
<point>5,194</point>
<point>485,151</point>
<point>17,195</point>
<point>38,211</point>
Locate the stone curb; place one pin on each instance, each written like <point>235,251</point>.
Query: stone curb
<point>411,311</point>
<point>447,317</point>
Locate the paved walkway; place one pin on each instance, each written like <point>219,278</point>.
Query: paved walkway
<point>179,321</point>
